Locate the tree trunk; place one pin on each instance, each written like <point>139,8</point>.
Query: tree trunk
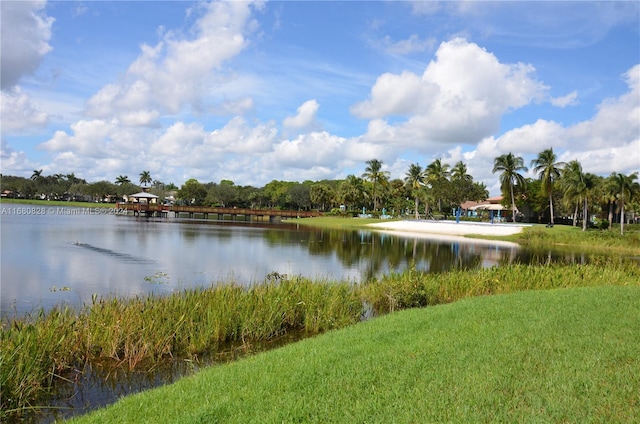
<point>585,215</point>
<point>417,213</point>
<point>610,215</point>
<point>513,205</point>
<point>551,207</point>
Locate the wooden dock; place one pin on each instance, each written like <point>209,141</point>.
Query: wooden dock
<point>204,212</point>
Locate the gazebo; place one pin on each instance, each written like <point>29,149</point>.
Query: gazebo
<point>143,198</point>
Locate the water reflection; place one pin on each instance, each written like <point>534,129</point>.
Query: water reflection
<point>57,259</point>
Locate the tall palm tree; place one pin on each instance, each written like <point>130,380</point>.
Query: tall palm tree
<point>374,173</point>
<point>549,172</point>
<point>509,165</point>
<point>122,179</point>
<point>145,178</point>
<point>415,180</point>
<point>610,196</point>
<point>627,189</point>
<point>572,186</point>
<point>459,172</point>
<point>437,175</point>
<point>37,174</point>
<point>590,185</point>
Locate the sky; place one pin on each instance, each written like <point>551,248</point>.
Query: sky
<point>296,90</point>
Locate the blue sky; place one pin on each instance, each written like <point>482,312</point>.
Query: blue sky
<point>295,90</point>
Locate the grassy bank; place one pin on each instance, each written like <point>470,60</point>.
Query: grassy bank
<point>545,356</point>
<point>139,333</point>
<point>564,236</point>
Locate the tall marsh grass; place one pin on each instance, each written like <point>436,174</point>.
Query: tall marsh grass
<point>139,333</point>
<point>411,288</point>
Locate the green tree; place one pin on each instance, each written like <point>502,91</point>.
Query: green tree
<point>300,196</point>
<point>463,187</point>
<point>122,179</point>
<point>627,189</point>
<point>374,173</point>
<point>100,190</point>
<point>549,171</point>
<point>437,176</point>
<point>351,191</point>
<point>415,181</point>
<point>145,178</point>
<point>126,189</point>
<point>509,166</point>
<point>320,195</point>
<point>37,174</point>
<point>278,193</point>
<point>192,192</point>
<point>577,188</point>
<point>571,186</point>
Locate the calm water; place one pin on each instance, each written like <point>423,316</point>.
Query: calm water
<point>66,255</point>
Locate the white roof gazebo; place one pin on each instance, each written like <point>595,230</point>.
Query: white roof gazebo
<point>144,197</point>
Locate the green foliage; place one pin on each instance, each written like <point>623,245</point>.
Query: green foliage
<point>192,192</point>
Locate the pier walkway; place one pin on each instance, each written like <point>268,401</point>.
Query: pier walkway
<point>153,209</point>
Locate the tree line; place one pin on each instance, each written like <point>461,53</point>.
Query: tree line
<point>560,189</point>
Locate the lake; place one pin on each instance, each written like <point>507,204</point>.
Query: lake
<point>63,256</point>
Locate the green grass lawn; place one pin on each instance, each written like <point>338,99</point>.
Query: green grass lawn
<point>565,355</point>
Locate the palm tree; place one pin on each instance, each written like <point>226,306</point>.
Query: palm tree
<point>415,180</point>
<point>572,186</point>
<point>122,179</point>
<point>578,187</point>
<point>590,184</point>
<point>509,165</point>
<point>37,174</point>
<point>145,178</point>
<point>374,173</point>
<point>549,172</point>
<point>437,175</point>
<point>350,190</point>
<point>627,189</point>
<point>459,172</point>
<point>608,195</point>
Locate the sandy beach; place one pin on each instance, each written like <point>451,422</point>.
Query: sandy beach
<point>450,228</point>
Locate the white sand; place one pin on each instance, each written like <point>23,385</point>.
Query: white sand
<point>450,228</point>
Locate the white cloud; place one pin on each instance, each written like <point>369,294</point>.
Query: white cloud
<point>413,44</point>
<point>19,113</point>
<point>178,140</point>
<point>313,149</point>
<point>305,116</point>
<point>179,71</point>
<point>564,101</point>
<point>450,103</point>
<point>393,94</point>
<point>608,142</point>
<point>617,121</point>
<point>26,31</point>
<point>98,139</point>
<point>237,136</point>
<point>17,161</point>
